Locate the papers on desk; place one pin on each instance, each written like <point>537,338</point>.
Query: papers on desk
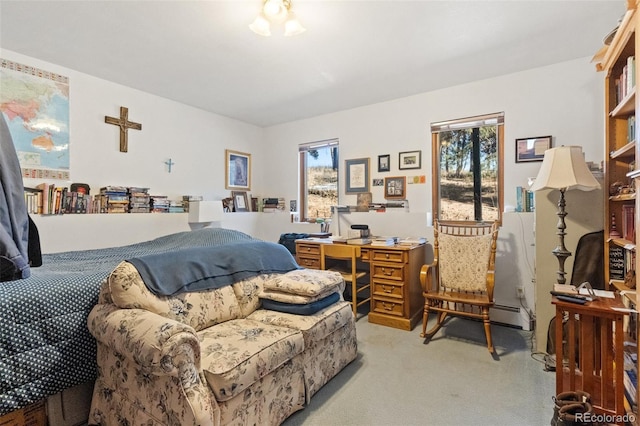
<point>598,293</point>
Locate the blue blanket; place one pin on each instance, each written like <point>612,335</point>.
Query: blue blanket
<point>204,268</point>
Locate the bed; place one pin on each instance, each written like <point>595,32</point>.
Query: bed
<point>45,346</point>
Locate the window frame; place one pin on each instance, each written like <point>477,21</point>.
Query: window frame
<point>302,205</point>
<point>467,123</point>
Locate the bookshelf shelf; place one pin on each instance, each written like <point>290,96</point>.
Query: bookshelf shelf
<point>626,107</point>
<point>626,151</point>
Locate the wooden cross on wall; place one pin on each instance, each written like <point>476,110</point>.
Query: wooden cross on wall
<point>125,125</point>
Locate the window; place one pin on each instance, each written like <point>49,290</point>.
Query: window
<point>318,179</point>
<point>467,168</point>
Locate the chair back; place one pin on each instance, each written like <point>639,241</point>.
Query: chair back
<point>466,255</point>
<point>345,252</point>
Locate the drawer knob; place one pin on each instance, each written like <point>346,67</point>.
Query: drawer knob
<point>386,255</point>
<point>385,289</point>
<point>388,307</point>
<point>387,272</point>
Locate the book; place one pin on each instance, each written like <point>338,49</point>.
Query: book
<point>410,241</point>
<point>383,241</point>
<point>616,263</point>
<point>359,241</point>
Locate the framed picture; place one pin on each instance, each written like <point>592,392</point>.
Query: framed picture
<point>410,160</point>
<point>240,201</point>
<point>237,168</point>
<point>357,172</point>
<point>532,149</point>
<point>364,201</point>
<point>384,163</point>
<point>395,188</point>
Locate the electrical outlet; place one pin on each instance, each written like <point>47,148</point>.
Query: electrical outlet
<point>520,292</point>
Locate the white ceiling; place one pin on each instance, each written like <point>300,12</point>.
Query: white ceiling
<point>354,53</point>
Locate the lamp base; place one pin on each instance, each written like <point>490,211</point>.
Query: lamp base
<point>561,252</point>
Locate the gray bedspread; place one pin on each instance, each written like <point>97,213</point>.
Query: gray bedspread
<point>45,346</point>
<point>204,268</point>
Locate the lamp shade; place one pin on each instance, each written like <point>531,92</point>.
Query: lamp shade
<point>205,211</point>
<point>564,168</point>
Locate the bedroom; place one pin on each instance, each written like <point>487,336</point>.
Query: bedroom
<point>564,96</point>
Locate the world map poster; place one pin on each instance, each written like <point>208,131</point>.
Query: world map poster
<point>35,105</point>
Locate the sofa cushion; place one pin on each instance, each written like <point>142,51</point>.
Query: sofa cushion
<point>279,296</point>
<point>239,352</point>
<point>199,309</point>
<point>306,282</point>
<point>313,327</point>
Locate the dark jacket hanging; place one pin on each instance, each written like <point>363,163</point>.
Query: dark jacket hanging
<point>14,220</point>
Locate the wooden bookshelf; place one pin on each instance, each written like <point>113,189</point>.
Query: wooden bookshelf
<point>621,169</point>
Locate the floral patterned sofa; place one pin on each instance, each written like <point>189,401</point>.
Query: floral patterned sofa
<point>213,357</point>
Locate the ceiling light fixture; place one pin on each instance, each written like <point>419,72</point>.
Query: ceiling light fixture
<point>276,12</point>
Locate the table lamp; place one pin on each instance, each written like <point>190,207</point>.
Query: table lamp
<point>563,168</point>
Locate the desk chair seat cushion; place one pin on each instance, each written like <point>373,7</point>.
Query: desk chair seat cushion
<point>301,309</point>
<point>464,262</point>
<point>305,282</point>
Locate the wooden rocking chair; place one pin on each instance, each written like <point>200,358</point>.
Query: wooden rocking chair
<point>460,280</point>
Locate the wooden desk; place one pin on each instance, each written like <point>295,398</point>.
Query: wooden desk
<point>595,337</point>
<point>397,299</point>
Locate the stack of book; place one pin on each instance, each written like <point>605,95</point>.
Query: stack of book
<point>412,241</point>
<point>114,199</point>
<point>384,241</point>
<point>159,204</point>
<point>176,207</point>
<point>139,200</point>
<point>359,241</point>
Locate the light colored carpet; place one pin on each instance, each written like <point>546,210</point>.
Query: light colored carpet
<point>452,380</point>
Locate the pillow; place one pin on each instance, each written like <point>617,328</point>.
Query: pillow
<point>297,299</point>
<point>306,282</point>
<point>297,309</point>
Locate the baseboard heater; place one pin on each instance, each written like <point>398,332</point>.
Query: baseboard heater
<point>506,308</point>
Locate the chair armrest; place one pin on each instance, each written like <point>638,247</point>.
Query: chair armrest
<point>152,341</point>
<point>426,275</point>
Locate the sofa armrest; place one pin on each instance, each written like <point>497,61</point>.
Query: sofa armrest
<point>159,344</point>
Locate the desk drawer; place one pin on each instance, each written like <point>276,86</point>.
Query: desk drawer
<point>388,307</point>
<point>364,254</point>
<point>308,249</point>
<point>308,262</point>
<point>388,289</point>
<point>388,272</point>
<point>397,256</point>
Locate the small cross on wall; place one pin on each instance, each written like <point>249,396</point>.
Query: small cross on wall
<point>124,124</point>
<point>169,163</point>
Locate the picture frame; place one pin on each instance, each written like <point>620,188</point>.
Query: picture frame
<point>410,160</point>
<point>237,168</point>
<point>532,149</point>
<point>357,175</point>
<point>384,163</point>
<point>240,201</point>
<point>395,188</point>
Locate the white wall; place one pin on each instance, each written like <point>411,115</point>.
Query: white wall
<point>194,139</point>
<point>563,100</point>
